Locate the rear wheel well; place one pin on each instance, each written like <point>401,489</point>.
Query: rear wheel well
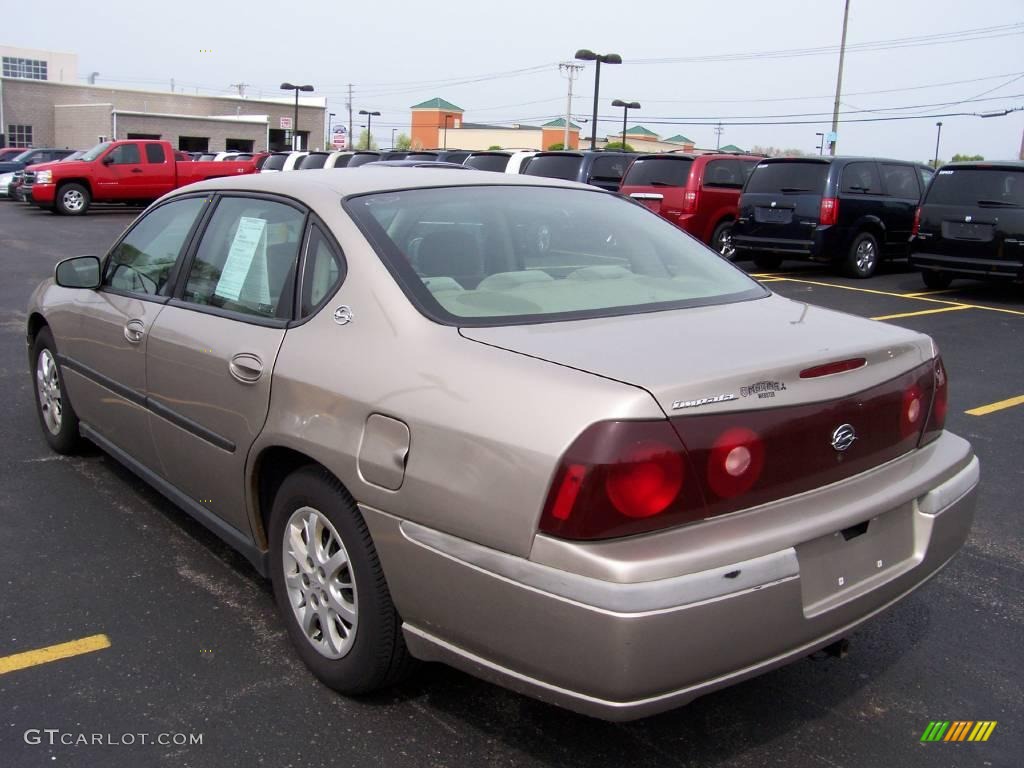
<point>272,467</point>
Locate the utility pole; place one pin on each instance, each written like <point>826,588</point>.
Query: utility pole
<point>839,83</point>
<point>719,130</point>
<point>348,104</point>
<point>241,88</point>
<point>571,72</point>
<point>172,85</point>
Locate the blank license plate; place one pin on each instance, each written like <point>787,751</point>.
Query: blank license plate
<point>773,215</point>
<point>962,230</point>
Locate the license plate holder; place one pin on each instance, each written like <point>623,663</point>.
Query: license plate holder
<point>839,566</point>
<point>773,215</point>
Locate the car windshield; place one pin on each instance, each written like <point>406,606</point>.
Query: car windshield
<point>487,162</point>
<point>659,172</point>
<point>500,255</point>
<point>96,151</point>
<point>788,177</point>
<point>274,163</point>
<point>973,186</point>
<point>555,166</point>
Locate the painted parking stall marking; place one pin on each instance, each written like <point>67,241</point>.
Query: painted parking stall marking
<point>50,653</point>
<point>922,312</point>
<point>984,410</point>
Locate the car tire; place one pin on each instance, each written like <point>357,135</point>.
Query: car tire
<point>57,417</point>
<point>936,280</point>
<point>72,199</point>
<point>767,261</point>
<point>721,240</point>
<point>863,256</point>
<point>342,622</point>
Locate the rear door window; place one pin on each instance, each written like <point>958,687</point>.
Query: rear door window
<point>987,187</point>
<point>155,153</point>
<point>726,174</point>
<point>788,177</point>
<point>609,167</point>
<point>861,179</point>
<point>659,172</point>
<point>322,271</point>
<point>555,166</point>
<point>901,181</point>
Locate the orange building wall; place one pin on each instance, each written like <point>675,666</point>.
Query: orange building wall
<point>551,136</point>
<point>428,124</point>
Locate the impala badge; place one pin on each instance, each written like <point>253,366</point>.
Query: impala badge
<point>843,437</point>
<point>702,401</point>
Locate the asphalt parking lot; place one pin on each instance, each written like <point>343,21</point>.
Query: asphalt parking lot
<point>191,643</point>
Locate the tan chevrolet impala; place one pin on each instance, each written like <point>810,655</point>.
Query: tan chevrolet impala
<point>517,425</point>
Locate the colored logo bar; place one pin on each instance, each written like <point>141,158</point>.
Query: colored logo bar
<point>958,730</point>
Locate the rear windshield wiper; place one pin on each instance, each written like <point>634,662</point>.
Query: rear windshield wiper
<point>661,184</point>
<point>794,189</point>
<point>1001,203</point>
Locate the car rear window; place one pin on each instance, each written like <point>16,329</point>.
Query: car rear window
<point>659,172</point>
<point>499,255</point>
<point>274,163</point>
<point>555,166</point>
<point>420,156</point>
<point>974,186</point>
<point>487,162</point>
<point>358,160</point>
<point>313,161</point>
<point>788,177</point>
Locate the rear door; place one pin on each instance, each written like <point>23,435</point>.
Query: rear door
<point>782,199</point>
<point>720,194</point>
<point>975,213</point>
<point>860,194</point>
<point>902,194</point>
<point>213,348</point>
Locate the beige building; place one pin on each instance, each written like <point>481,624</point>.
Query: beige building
<point>37,109</point>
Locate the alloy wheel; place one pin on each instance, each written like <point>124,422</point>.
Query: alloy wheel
<point>48,389</point>
<point>865,256</point>
<point>73,200</point>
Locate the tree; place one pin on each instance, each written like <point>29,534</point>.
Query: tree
<point>619,145</point>
<point>958,158</point>
<point>556,147</point>
<point>777,152</point>
<point>366,141</point>
<point>403,142</point>
<point>494,146</point>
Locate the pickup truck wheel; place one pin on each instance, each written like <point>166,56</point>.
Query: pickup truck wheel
<point>767,261</point>
<point>329,586</point>
<point>936,280</point>
<point>72,200</point>
<point>862,260</point>
<point>56,416</point>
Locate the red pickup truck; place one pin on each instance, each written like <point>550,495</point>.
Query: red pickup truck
<point>130,171</point>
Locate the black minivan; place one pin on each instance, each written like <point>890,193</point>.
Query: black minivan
<point>971,224</point>
<point>599,168</point>
<point>849,211</point>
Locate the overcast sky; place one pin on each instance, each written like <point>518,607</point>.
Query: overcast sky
<point>467,52</point>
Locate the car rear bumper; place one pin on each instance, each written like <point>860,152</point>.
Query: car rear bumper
<point>825,242</point>
<point>621,650</point>
<point>1003,269</point>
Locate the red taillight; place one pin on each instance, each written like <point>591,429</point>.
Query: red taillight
<point>735,462</point>
<point>917,222</point>
<point>647,481</point>
<point>689,201</point>
<point>912,411</point>
<point>829,211</point>
<point>837,367</point>
<point>940,403</point>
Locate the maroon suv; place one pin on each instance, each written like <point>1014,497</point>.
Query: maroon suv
<point>699,193</point>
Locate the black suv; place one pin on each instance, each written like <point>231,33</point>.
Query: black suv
<point>971,224</point>
<point>850,211</point>
<point>602,169</point>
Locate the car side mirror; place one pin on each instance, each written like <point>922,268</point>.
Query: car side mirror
<point>108,159</point>
<point>78,272</point>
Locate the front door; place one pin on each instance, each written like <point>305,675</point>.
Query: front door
<point>104,341</point>
<point>125,176</point>
<point>212,351</point>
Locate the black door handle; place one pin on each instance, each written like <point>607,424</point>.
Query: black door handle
<point>136,170</point>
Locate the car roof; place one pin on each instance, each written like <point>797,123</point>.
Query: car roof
<point>416,164</point>
<point>1006,165</point>
<point>323,186</point>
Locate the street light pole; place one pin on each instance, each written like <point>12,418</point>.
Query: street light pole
<point>608,58</point>
<point>446,131</point>
<point>839,82</point>
<point>295,122</point>
<point>938,136</point>
<point>821,144</point>
<point>626,106</point>
<point>369,124</point>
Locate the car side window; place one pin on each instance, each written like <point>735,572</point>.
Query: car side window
<point>154,153</point>
<point>901,181</point>
<point>142,262</point>
<point>322,272</point>
<point>724,173</point>
<point>246,261</point>
<point>861,178</point>
<point>125,154</point>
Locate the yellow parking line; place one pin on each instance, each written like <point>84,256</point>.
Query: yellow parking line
<point>922,312</point>
<point>53,653</point>
<point>928,293</point>
<point>902,296</point>
<point>982,410</point>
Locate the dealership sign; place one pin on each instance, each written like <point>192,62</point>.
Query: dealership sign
<point>286,123</point>
<point>339,137</point>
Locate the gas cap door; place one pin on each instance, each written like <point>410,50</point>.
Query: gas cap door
<point>384,451</point>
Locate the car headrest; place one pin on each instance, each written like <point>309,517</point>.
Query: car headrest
<point>450,252</point>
